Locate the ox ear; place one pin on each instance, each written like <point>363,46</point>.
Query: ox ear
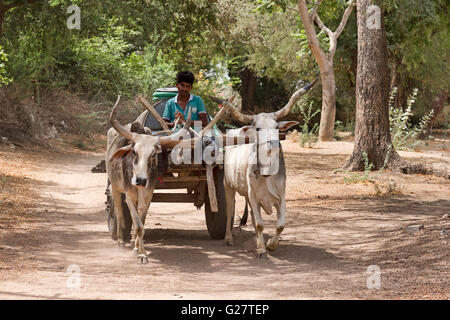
<point>122,152</point>
<point>137,128</point>
<point>286,125</point>
<point>245,129</point>
<point>158,148</point>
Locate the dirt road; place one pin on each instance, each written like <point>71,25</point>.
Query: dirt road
<point>335,231</point>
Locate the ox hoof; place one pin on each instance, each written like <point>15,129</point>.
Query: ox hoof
<point>136,250</point>
<point>121,244</point>
<point>142,259</point>
<point>261,255</point>
<point>229,242</point>
<point>271,245</point>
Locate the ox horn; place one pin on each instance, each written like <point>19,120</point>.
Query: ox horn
<point>216,117</point>
<point>116,125</point>
<point>245,118</point>
<point>288,107</point>
<point>153,112</point>
<point>173,138</point>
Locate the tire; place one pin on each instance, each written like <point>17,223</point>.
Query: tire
<point>216,222</point>
<point>112,220</point>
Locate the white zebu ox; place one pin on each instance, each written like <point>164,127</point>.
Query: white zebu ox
<point>262,183</point>
<point>132,170</point>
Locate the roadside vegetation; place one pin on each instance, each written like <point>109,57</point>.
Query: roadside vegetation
<point>256,48</point>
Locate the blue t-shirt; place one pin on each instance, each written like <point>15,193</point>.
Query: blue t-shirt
<point>195,103</point>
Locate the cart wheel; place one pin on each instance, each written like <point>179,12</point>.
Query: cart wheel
<point>217,221</point>
<point>112,220</point>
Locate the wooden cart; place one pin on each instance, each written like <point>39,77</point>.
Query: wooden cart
<point>201,184</point>
<point>190,179</point>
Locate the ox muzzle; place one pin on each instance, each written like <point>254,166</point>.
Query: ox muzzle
<point>268,150</point>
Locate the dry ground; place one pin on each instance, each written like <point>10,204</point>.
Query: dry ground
<point>52,216</point>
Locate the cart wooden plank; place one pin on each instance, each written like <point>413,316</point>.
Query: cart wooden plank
<point>177,185</point>
<point>211,188</point>
<point>184,179</point>
<point>173,197</point>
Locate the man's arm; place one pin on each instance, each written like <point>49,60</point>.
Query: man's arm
<point>204,119</point>
<point>202,113</point>
<point>168,115</point>
<point>169,123</point>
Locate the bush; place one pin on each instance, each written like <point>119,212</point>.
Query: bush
<point>404,135</point>
<point>213,82</point>
<point>338,127</point>
<point>308,136</point>
<point>3,79</point>
<point>99,66</point>
<point>158,71</point>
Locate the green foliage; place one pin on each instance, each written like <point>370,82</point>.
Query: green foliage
<point>118,49</point>
<point>380,185</point>
<point>101,64</point>
<point>418,43</point>
<point>3,78</point>
<point>275,43</point>
<point>104,65</point>
<point>212,82</point>
<point>368,166</point>
<point>365,177</point>
<point>308,136</point>
<point>338,127</point>
<point>87,124</point>
<point>133,47</point>
<point>387,157</point>
<point>404,135</point>
<point>157,71</point>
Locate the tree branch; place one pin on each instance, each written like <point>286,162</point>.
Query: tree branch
<point>308,23</point>
<point>345,17</point>
<point>292,9</point>
<point>4,8</point>
<point>335,35</point>
<point>314,9</point>
<point>322,26</point>
<point>333,45</point>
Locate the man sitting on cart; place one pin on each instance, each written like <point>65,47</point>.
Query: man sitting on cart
<point>178,107</point>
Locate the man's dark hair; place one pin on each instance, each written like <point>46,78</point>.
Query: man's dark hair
<point>185,76</point>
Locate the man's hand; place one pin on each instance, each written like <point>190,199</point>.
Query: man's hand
<point>202,117</point>
<point>178,115</point>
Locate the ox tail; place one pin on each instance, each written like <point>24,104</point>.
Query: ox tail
<point>244,218</point>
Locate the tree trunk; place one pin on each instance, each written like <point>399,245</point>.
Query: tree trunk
<point>372,133</point>
<point>248,88</point>
<point>325,62</point>
<point>328,114</point>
